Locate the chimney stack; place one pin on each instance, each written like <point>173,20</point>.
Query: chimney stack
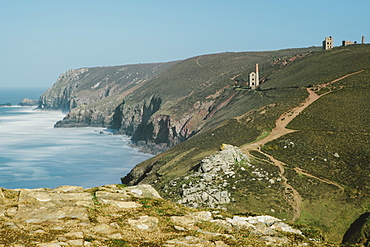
<point>363,39</point>
<point>257,76</point>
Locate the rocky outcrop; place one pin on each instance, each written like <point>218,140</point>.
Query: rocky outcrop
<point>61,95</point>
<point>208,185</point>
<point>28,102</point>
<point>113,215</point>
<point>215,179</point>
<point>87,116</point>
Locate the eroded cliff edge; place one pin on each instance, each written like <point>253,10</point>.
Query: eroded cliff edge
<point>90,95</point>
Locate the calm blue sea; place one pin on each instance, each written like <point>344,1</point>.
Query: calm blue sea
<point>16,95</point>
<point>33,154</point>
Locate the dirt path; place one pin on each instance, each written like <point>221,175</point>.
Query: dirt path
<point>281,123</point>
<point>233,78</point>
<point>197,60</point>
<point>291,195</point>
<point>201,66</point>
<point>303,172</point>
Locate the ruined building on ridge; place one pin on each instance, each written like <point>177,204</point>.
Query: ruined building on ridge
<point>254,80</point>
<point>346,42</point>
<point>327,44</point>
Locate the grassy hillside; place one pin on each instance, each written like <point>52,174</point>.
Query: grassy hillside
<point>196,95</point>
<point>332,144</point>
<point>278,94</point>
<point>197,78</point>
<point>321,67</point>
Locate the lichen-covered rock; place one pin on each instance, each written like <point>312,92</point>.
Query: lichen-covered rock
<point>126,216</point>
<point>207,187</point>
<point>193,241</point>
<point>144,223</point>
<point>192,218</point>
<point>142,190</point>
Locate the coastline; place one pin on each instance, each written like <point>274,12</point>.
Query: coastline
<point>35,154</point>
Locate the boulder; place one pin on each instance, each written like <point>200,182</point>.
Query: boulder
<point>144,223</point>
<point>192,218</point>
<point>142,190</point>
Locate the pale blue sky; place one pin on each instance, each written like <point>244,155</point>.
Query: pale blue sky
<point>39,39</point>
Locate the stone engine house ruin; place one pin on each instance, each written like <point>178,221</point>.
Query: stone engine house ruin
<point>254,79</point>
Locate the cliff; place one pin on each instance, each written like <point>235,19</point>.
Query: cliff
<point>90,95</point>
<point>161,105</point>
<point>192,96</point>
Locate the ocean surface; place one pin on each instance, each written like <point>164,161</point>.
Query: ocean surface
<point>16,95</point>
<point>33,154</point>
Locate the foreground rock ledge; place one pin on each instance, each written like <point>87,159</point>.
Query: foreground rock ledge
<point>114,215</point>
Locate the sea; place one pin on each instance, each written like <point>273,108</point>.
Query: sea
<point>34,154</point>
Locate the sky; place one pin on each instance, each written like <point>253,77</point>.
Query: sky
<point>41,39</point>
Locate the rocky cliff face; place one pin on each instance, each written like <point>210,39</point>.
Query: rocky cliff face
<point>90,95</point>
<point>151,130</point>
<point>60,95</point>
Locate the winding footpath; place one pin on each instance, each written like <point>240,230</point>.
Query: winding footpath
<point>201,66</point>
<point>292,196</point>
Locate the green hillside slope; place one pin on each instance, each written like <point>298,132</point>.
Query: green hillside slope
<point>197,94</point>
<point>326,162</point>
<point>321,67</point>
<point>333,144</point>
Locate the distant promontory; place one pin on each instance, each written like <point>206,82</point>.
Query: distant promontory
<point>28,102</point>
